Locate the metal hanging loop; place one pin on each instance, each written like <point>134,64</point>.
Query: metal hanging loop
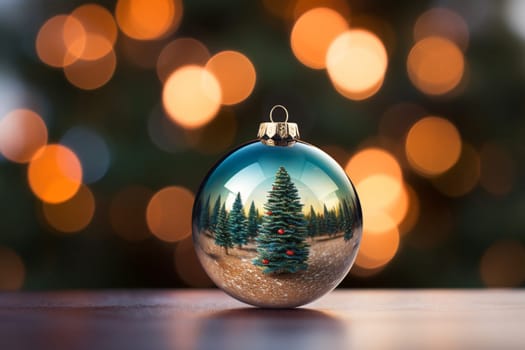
<point>283,108</point>
<point>278,133</point>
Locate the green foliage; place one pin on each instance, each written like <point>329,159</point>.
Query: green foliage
<point>215,213</point>
<point>313,223</point>
<point>281,243</point>
<point>204,216</point>
<point>347,221</point>
<point>252,221</point>
<point>237,224</point>
<point>222,236</point>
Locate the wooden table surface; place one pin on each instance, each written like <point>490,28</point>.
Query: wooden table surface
<point>357,319</point>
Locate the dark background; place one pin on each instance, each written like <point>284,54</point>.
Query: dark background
<point>472,240</point>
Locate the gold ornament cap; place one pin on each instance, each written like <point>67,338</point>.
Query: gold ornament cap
<point>278,133</point>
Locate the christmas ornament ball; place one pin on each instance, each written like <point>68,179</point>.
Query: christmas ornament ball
<point>277,223</point>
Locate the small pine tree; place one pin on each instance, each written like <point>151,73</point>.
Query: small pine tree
<point>313,224</point>
<point>281,242</point>
<point>222,236</point>
<point>348,222</point>
<point>331,223</point>
<point>323,221</point>
<point>214,217</point>
<point>204,217</point>
<point>237,224</point>
<point>252,221</point>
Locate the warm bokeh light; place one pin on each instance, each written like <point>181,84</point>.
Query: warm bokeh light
<point>356,63</point>
<point>192,96</point>
<point>12,270</point>
<point>498,170</point>
<point>378,192</point>
<point>435,65</point>
<point>503,264</point>
<point>181,52</point>
<point>235,73</point>
<point>72,215</point>
<point>463,176</point>
<point>91,149</point>
<point>127,213</point>
<point>148,19</point>
<point>412,214</point>
<point>58,38</point>
<point>188,266</point>
<point>101,31</point>
<point>378,247</point>
<point>433,145</point>
<point>55,174</point>
<point>372,161</point>
<point>22,134</point>
<point>313,33</point>
<point>90,75</point>
<point>302,6</point>
<point>216,136</point>
<point>169,213</point>
<point>442,22</point>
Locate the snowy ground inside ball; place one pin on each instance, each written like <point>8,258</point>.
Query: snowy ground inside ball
<point>328,262</point>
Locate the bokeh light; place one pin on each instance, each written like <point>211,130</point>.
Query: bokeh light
<point>169,213</point>
<point>72,215</point>
<point>55,174</point>
<point>100,28</point>
<point>235,74</point>
<point>433,145</point>
<point>302,6</point>
<point>356,63</point>
<point>127,213</point>
<point>192,96</point>
<point>91,149</point>
<point>22,134</point>
<point>412,214</point>
<point>372,161</point>
<point>378,191</point>
<point>148,19</point>
<point>12,270</point>
<point>90,75</point>
<point>435,65</point>
<point>58,37</point>
<point>498,170</point>
<point>181,52</point>
<point>514,11</point>
<point>503,264</point>
<point>216,136</point>
<point>442,22</point>
<point>378,247</point>
<point>313,33</point>
<point>463,176</point>
<point>188,266</point>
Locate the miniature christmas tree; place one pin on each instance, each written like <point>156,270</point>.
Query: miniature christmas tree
<point>222,236</point>
<point>313,224</point>
<point>215,213</point>
<point>252,221</point>
<point>348,222</point>
<point>281,243</point>
<point>204,218</point>
<point>237,224</point>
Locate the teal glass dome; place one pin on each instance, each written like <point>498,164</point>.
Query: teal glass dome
<point>277,226</point>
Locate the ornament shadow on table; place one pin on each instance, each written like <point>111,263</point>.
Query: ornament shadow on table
<point>277,223</point>
<point>253,328</point>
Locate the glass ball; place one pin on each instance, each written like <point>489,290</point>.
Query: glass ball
<point>277,226</point>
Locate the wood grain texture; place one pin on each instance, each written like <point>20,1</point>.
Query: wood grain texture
<point>364,319</point>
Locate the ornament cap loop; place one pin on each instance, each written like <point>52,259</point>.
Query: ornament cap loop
<point>278,133</point>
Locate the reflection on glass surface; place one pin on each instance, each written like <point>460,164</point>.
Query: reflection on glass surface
<point>277,226</point>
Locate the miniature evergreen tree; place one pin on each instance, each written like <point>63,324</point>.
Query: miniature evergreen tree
<point>204,217</point>
<point>252,221</point>
<point>313,224</point>
<point>215,213</point>
<point>222,236</point>
<point>237,224</point>
<point>323,221</point>
<point>348,222</point>
<point>281,243</point>
<point>331,223</point>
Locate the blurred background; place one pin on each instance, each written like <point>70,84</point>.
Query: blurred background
<point>112,112</point>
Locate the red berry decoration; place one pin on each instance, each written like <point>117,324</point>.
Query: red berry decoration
<point>268,213</point>
<point>265,261</point>
<point>280,231</point>
<point>290,252</point>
